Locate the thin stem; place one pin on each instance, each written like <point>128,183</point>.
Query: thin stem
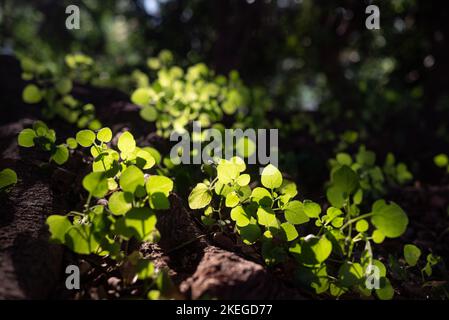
<point>86,206</point>
<point>363,216</point>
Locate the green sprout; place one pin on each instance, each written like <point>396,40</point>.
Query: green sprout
<point>175,98</point>
<point>442,161</point>
<point>131,195</point>
<point>52,85</point>
<point>269,216</point>
<point>8,178</point>
<point>374,180</point>
<point>45,139</point>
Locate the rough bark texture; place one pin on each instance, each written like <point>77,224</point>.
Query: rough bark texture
<point>30,267</point>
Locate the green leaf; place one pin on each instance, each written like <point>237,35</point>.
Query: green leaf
<point>120,202</point>
<point>267,218</point>
<point>244,193</point>
<point>316,278</point>
<point>145,269</point>
<point>243,180</point>
<point>40,127</point>
<point>288,190</point>
<point>344,159</point>
<point>350,274</point>
<point>337,222</point>
<point>262,196</point>
<point>390,219</point>
<point>154,153</point>
<point>294,212</point>
<point>411,254</point>
<point>71,143</point>
<point>335,197</point>
<point>61,154</point>
<point>312,209</point>
<point>31,94</point>
<point>144,159</point>
<point>345,179</point>
<point>138,222</point>
<point>250,233</point>
<point>441,160</point>
<point>227,171</point>
<point>104,135</point>
<point>386,291</point>
<point>64,86</point>
<point>336,290</point>
<point>159,201</point>
<point>160,184</point>
<point>358,197</point>
<point>366,158</point>
<point>26,138</point>
<point>85,137</point>
<point>96,184</point>
<point>131,179</point>
<point>8,177</point>
<point>222,189</point>
<point>126,142</point>
<point>239,163</point>
<point>378,236</point>
<point>240,216</point>
<point>81,239</point>
<point>272,253</point>
<point>148,113</point>
<point>271,177</point>
<point>312,250</point>
<point>232,199</point>
<point>200,196</point>
<point>58,225</point>
<point>362,225</point>
<point>141,96</point>
<point>290,231</point>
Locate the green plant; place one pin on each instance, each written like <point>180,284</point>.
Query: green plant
<point>44,138</point>
<point>175,98</point>
<point>412,256</point>
<point>373,179</point>
<point>269,216</point>
<point>129,197</point>
<point>8,178</point>
<point>431,261</point>
<point>442,161</point>
<point>53,84</point>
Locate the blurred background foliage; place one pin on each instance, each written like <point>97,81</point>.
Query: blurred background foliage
<point>331,82</point>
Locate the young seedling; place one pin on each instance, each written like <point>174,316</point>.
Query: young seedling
<point>442,161</point>
<point>270,216</point>
<point>177,97</point>
<point>374,180</point>
<point>45,139</point>
<point>53,84</point>
<point>129,197</point>
<point>8,178</point>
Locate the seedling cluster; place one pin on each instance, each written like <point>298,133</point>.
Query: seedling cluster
<point>175,98</point>
<point>374,180</point>
<point>336,257</point>
<point>52,84</point>
<point>129,192</point>
<point>329,248</point>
